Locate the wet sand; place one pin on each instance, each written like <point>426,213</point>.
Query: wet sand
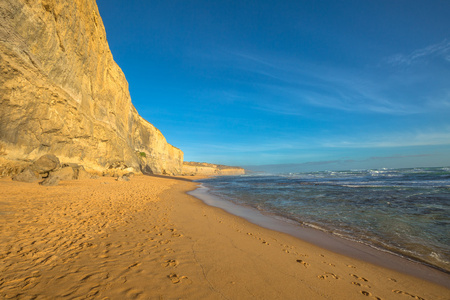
<point>327,240</point>
<point>148,239</point>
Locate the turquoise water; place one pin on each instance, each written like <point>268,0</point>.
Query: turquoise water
<point>405,211</point>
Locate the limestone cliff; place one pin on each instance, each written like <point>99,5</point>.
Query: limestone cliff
<point>61,91</point>
<point>195,168</point>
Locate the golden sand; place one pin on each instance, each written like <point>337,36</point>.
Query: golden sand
<point>148,239</point>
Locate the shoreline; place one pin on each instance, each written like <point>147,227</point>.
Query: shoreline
<point>380,257</point>
<point>148,239</point>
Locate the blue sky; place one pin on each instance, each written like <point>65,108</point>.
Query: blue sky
<point>319,84</point>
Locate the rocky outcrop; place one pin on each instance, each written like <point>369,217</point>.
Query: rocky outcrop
<point>61,92</point>
<point>40,168</point>
<point>46,164</point>
<point>48,167</point>
<point>195,168</point>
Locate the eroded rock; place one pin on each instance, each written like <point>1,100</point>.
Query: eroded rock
<point>45,164</point>
<point>27,175</point>
<point>66,173</point>
<point>83,174</point>
<point>123,178</point>
<point>51,180</point>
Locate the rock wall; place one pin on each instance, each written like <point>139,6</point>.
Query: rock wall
<point>194,168</point>
<point>61,92</point>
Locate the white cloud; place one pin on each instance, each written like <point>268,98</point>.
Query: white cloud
<point>399,139</point>
<point>288,86</point>
<point>441,49</point>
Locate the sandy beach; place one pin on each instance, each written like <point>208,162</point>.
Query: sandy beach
<point>148,239</point>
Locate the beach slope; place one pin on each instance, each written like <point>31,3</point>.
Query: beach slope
<point>147,239</point>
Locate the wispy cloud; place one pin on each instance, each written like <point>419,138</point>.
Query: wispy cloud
<point>441,49</point>
<point>337,96</point>
<point>398,156</point>
<point>309,148</point>
<point>276,144</point>
<point>288,86</point>
<point>337,163</point>
<point>394,140</point>
<point>440,102</point>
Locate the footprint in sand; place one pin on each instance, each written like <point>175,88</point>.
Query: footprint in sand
<point>134,265</point>
<point>360,278</point>
<point>328,275</point>
<point>408,294</point>
<point>368,294</point>
<point>304,263</point>
<point>171,263</point>
<point>359,284</point>
<point>175,278</point>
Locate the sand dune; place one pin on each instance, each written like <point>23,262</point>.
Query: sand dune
<point>147,239</point>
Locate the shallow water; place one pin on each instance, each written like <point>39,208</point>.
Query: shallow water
<point>406,211</point>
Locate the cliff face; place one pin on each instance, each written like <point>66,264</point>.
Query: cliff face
<point>61,91</point>
<point>195,168</point>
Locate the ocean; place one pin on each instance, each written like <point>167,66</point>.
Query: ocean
<point>403,211</point>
